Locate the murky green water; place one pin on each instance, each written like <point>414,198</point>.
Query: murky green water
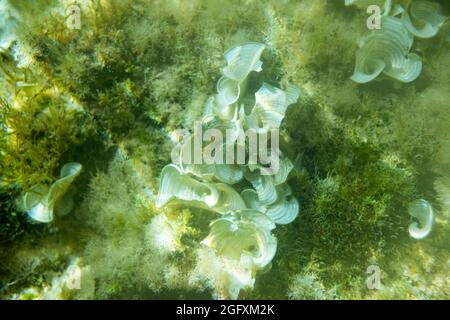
<point>224,150</point>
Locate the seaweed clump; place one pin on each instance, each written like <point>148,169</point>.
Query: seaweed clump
<point>38,126</point>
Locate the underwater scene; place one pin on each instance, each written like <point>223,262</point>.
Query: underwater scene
<point>232,149</point>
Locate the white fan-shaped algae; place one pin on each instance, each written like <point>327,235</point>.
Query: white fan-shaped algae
<point>40,202</point>
<point>387,51</point>
<point>424,213</point>
<point>423,18</point>
<point>241,239</point>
